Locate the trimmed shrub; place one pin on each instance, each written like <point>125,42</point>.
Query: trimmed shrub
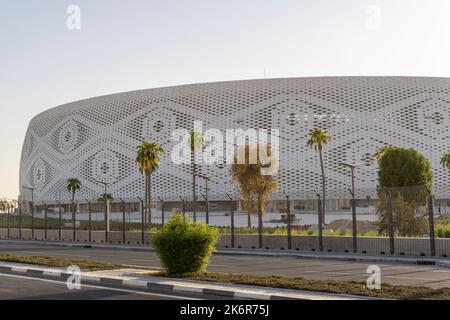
<point>184,246</point>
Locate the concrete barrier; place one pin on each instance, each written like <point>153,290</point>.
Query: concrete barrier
<point>338,244</point>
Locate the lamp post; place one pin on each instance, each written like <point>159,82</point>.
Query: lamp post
<point>32,208</point>
<point>206,179</point>
<point>431,222</point>
<point>142,220</point>
<point>90,219</point>
<point>124,229</point>
<point>353,167</point>
<point>105,185</point>
<point>232,220</point>
<point>289,226</point>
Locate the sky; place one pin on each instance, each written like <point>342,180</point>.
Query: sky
<point>125,45</point>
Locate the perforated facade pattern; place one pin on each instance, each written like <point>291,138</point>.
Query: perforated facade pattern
<point>96,139</point>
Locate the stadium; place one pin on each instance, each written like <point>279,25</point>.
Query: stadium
<point>95,139</point>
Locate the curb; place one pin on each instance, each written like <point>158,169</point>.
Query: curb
<point>156,284</point>
<point>260,253</point>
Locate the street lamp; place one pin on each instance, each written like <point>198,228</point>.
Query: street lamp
<point>105,185</point>
<point>353,167</point>
<point>32,208</point>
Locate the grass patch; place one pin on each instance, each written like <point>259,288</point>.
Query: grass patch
<point>60,262</point>
<point>329,286</point>
<point>66,224</point>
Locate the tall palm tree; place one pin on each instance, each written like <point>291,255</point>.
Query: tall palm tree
<point>317,139</point>
<point>197,142</point>
<point>148,159</point>
<point>445,160</point>
<point>73,185</point>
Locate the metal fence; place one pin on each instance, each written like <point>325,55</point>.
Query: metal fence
<point>390,214</point>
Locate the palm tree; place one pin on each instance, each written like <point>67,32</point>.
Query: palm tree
<point>106,197</point>
<point>197,142</point>
<point>73,185</point>
<point>317,139</point>
<point>148,160</point>
<point>252,184</point>
<point>445,160</point>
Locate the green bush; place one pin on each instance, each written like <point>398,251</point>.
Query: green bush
<point>184,246</point>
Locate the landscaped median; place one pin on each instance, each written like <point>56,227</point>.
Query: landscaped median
<point>221,284</point>
<point>142,280</point>
<point>353,288</point>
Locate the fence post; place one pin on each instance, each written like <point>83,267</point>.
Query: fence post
<point>32,220</point>
<point>106,220</point>
<point>354,229</point>
<point>206,208</point>
<point>60,220</point>
<point>20,221</point>
<point>162,211</point>
<point>7,222</point>
<point>45,222</point>
<point>184,209</point>
<point>142,220</point>
<point>431,223</point>
<point>289,234</point>
<point>90,220</point>
<point>391,221</point>
<point>232,220</point>
<point>123,222</point>
<point>260,224</point>
<point>320,222</point>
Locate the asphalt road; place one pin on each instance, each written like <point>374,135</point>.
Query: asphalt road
<point>397,274</point>
<point>13,287</point>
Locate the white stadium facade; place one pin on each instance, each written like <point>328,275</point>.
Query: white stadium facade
<point>95,139</point>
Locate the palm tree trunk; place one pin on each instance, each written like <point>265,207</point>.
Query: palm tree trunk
<point>322,169</point>
<point>73,202</point>
<point>149,177</point>
<point>146,200</point>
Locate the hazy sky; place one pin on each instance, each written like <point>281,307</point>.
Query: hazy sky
<point>136,44</point>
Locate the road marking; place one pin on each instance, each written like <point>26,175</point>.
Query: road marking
<point>144,260</point>
<point>100,287</point>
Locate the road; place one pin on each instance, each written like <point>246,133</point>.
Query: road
<point>397,274</point>
<point>14,287</point>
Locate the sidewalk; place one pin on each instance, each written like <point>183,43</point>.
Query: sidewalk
<point>438,261</point>
<point>130,278</point>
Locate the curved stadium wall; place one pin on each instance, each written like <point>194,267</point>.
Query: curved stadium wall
<point>95,139</point>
